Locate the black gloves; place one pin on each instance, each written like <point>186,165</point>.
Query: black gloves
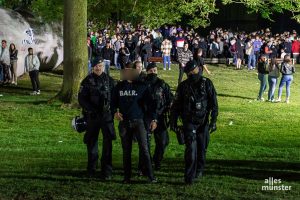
<point>212,127</point>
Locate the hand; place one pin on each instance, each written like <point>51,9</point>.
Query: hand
<point>153,125</point>
<point>182,65</point>
<point>212,127</point>
<point>118,116</point>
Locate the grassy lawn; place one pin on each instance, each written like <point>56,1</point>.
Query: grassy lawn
<point>43,158</point>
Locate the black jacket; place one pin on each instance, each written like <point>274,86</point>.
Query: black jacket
<point>95,95</point>
<point>195,101</point>
<point>146,49</point>
<point>130,44</point>
<point>14,55</point>
<point>161,94</point>
<point>107,53</point>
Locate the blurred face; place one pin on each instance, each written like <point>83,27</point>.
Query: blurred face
<point>199,53</point>
<point>98,69</point>
<point>30,51</point>
<point>122,45</point>
<point>128,74</point>
<point>152,71</point>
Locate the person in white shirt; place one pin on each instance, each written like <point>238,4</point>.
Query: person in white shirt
<point>32,65</point>
<point>4,63</point>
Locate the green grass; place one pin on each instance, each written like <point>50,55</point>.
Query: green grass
<point>43,158</point>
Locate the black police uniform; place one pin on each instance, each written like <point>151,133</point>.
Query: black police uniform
<point>162,97</point>
<point>130,98</point>
<point>142,77</point>
<point>195,100</point>
<point>95,98</point>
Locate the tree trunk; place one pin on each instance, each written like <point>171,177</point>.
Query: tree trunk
<point>75,49</point>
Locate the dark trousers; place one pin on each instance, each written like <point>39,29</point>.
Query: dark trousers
<point>161,138</point>
<point>196,143</point>
<point>257,54</point>
<point>1,72</point>
<point>145,60</point>
<point>35,82</point>
<point>94,124</point>
<point>181,72</point>
<point>127,130</point>
<point>6,72</point>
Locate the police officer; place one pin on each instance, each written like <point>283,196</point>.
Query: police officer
<point>128,100</point>
<point>95,98</point>
<point>195,101</point>
<point>162,97</point>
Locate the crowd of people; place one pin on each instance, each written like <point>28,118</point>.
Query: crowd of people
<point>127,43</point>
<point>124,43</point>
<point>8,63</point>
<point>270,69</point>
<point>9,66</point>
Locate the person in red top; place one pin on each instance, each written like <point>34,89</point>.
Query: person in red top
<point>296,50</point>
<point>267,49</point>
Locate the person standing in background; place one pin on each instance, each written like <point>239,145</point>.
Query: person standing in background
<point>296,50</point>
<point>32,65</point>
<point>146,51</point>
<point>116,47</point>
<point>123,55</point>
<point>262,69</point>
<point>184,55</point>
<point>272,78</point>
<point>240,51</point>
<point>4,63</point>
<point>13,62</point>
<point>166,48</point>
<point>107,55</point>
<point>287,70</point>
<point>90,54</point>
<point>257,44</point>
<point>251,54</point>
<point>200,62</point>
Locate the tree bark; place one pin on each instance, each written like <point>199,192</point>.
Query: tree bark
<point>75,49</point>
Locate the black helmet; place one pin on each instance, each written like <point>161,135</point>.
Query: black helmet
<point>79,124</point>
<point>190,66</point>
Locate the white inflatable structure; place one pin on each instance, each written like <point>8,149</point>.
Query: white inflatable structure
<point>46,40</point>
